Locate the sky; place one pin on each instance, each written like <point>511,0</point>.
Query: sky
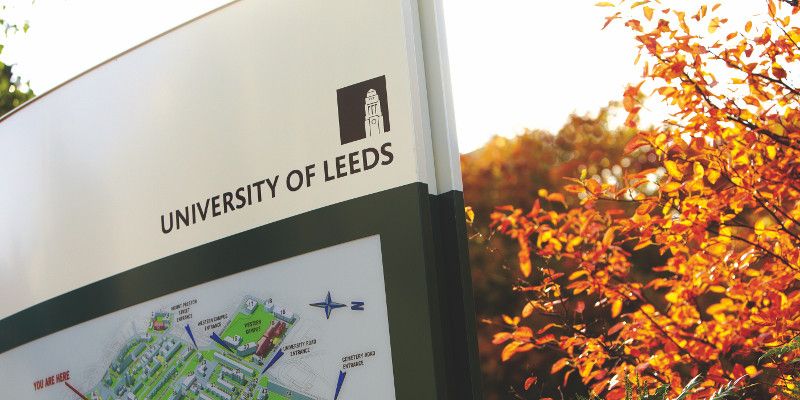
<point>515,64</point>
<point>528,64</point>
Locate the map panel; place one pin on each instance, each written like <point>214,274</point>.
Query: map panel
<point>311,327</point>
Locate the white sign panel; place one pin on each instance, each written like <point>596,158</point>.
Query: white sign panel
<point>242,102</point>
<point>240,208</point>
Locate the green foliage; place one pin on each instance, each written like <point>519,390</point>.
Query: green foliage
<point>637,391</point>
<point>689,387</point>
<point>728,390</point>
<point>13,91</point>
<point>777,352</point>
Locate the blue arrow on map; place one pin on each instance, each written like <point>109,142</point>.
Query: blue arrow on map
<point>191,335</point>
<point>222,343</point>
<point>275,359</point>
<point>339,384</point>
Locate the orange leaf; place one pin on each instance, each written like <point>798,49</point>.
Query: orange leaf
<point>501,337</point>
<point>635,143</point>
<point>509,351</point>
<point>593,186</point>
<point>525,347</point>
<point>611,19</point>
<point>525,267</point>
<point>558,366</point>
<point>566,378</point>
<point>616,328</point>
<point>557,197</point>
<point>648,12</point>
<point>673,169</point>
<point>616,308</point>
<point>586,368</point>
<point>671,187</point>
<point>574,188</point>
<point>772,152</point>
<point>672,297</point>
<point>511,321</point>
<point>714,25</point>
<point>576,241</point>
<point>577,274</point>
<point>713,175</point>
<point>527,310</point>
<point>608,237</point>
<point>717,289</point>
<point>523,333</point>
<point>545,328</point>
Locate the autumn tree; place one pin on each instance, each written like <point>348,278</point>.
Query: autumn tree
<point>513,170</point>
<point>717,295</point>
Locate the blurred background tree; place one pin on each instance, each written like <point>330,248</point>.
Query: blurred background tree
<point>513,171</point>
<point>13,90</point>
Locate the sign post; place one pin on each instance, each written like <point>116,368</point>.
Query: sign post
<point>262,203</point>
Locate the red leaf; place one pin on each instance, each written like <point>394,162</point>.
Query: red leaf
<point>529,382</point>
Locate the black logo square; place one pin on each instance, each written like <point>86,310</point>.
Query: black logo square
<point>363,110</point>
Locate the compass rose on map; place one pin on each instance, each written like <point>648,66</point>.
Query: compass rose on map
<point>328,305</point>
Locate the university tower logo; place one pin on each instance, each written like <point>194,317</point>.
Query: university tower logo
<point>363,110</point>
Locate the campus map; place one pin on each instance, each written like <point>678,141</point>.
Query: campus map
<point>160,365</point>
